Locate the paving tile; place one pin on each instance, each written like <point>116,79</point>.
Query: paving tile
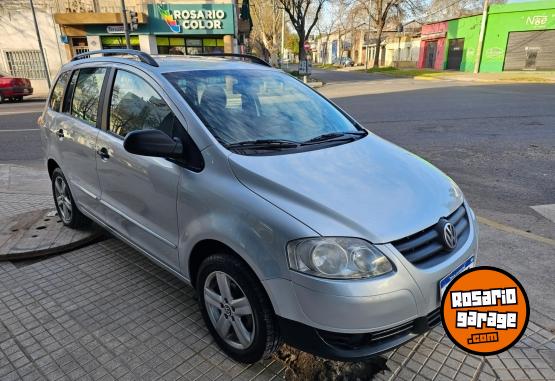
<point>104,312</point>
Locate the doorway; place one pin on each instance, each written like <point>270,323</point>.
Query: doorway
<point>455,54</point>
<point>431,51</point>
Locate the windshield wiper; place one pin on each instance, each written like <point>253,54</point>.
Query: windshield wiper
<point>335,136</point>
<point>264,144</point>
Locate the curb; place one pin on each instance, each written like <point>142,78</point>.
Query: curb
<point>483,80</point>
<point>40,233</point>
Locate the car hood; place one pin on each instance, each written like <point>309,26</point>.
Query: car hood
<point>369,188</point>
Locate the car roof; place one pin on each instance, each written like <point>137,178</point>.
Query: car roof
<point>175,63</point>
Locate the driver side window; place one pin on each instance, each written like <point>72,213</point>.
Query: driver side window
<point>135,105</point>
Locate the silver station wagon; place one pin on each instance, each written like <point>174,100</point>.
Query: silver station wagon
<point>293,222</point>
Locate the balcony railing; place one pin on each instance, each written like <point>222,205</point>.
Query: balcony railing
<point>98,6</point>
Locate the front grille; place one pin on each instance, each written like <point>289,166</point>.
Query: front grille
<point>359,340</point>
<point>426,244</point>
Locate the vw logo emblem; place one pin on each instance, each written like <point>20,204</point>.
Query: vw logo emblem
<point>449,236</point>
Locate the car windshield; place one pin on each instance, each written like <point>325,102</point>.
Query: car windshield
<point>241,106</point>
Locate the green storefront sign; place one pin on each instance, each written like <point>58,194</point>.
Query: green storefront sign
<point>502,20</point>
<point>191,19</point>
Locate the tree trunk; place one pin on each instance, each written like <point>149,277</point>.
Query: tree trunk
<point>302,53</point>
<point>378,47</point>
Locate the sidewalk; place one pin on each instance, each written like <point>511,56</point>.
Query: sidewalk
<point>106,312</point>
<point>503,77</point>
<point>434,75</point>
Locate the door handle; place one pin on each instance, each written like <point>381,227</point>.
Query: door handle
<point>103,153</point>
<point>60,133</point>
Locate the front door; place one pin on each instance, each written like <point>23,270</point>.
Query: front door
<point>455,54</point>
<point>139,193</point>
<point>431,49</point>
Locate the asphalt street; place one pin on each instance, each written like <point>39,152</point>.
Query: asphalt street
<point>497,141</point>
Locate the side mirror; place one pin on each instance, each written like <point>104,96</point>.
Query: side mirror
<point>152,143</point>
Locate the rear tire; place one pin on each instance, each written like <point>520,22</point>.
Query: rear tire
<point>65,205</point>
<point>247,326</point>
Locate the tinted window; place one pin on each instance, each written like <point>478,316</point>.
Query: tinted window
<point>58,92</point>
<point>87,91</point>
<point>246,105</point>
<point>135,105</point>
<point>66,107</point>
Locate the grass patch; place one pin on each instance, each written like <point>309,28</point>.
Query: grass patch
<point>325,66</point>
<point>402,73</point>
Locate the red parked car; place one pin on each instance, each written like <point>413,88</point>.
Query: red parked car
<point>14,89</point>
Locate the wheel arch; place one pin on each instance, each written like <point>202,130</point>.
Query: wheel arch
<point>51,164</point>
<point>207,247</point>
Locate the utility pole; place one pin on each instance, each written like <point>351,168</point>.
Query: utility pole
<point>125,25</point>
<point>481,38</point>
<point>369,31</point>
<point>43,57</point>
<point>282,51</point>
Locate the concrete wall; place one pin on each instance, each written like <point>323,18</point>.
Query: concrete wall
<point>18,33</point>
<point>439,28</point>
<point>406,56</point>
<point>469,29</point>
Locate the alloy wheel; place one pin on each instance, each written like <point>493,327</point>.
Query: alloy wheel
<point>63,199</point>
<point>229,310</point>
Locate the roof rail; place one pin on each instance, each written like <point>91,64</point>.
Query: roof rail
<point>253,59</point>
<point>142,56</point>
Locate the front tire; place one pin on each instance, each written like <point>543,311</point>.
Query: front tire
<point>236,309</point>
<point>65,205</point>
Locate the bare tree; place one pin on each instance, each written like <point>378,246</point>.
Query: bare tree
<point>304,15</point>
<point>266,31</point>
<point>325,27</point>
<point>448,9</point>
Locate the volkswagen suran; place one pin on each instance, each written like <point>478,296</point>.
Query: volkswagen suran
<point>293,222</point>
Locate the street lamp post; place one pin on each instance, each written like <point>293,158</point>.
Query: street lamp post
<point>43,57</point>
<point>125,25</point>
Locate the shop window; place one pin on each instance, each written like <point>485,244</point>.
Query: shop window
<point>25,63</point>
<point>191,46</point>
<point>118,42</point>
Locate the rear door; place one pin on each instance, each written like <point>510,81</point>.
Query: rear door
<point>139,193</point>
<point>76,131</point>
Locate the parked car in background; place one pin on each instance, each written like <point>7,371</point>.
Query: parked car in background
<point>14,88</point>
<point>344,62</point>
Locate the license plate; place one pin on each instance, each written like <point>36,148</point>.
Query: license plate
<point>468,264</point>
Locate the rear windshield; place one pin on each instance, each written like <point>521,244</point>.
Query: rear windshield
<point>246,105</point>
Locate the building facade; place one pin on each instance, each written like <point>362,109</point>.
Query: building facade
<point>518,36</point>
<point>69,27</point>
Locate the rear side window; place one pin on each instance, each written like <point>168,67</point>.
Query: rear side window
<point>135,105</point>
<point>86,94</point>
<point>58,92</point>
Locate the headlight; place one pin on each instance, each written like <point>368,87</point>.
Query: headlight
<point>337,257</point>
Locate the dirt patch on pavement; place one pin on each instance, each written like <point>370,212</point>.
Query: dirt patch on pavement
<point>303,366</point>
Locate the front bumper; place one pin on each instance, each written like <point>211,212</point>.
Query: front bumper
<point>354,347</point>
<point>317,313</point>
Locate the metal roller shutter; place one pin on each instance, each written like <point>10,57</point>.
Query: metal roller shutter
<point>534,50</point>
